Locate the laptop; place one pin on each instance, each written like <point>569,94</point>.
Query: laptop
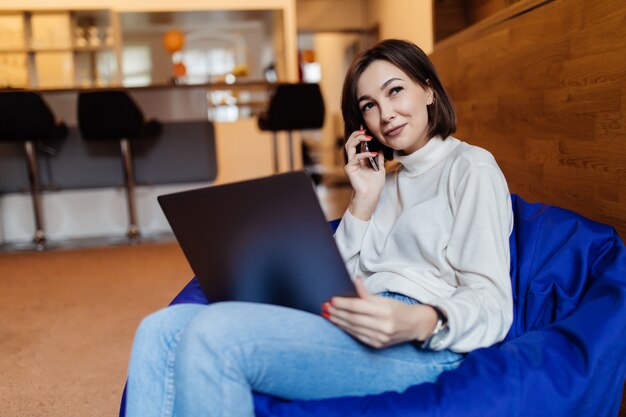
<point>263,240</point>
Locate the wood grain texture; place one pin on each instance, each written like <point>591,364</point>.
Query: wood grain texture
<point>450,18</point>
<point>545,91</point>
<point>477,10</point>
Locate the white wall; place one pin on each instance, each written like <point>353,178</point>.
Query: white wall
<point>84,213</point>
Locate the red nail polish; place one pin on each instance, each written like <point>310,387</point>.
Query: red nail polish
<point>325,306</point>
<point>367,137</point>
<point>374,153</point>
<point>326,315</point>
<point>361,130</point>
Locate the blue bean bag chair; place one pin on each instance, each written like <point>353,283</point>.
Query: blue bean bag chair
<point>564,355</point>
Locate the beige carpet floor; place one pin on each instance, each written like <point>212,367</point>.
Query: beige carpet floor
<point>67,319</point>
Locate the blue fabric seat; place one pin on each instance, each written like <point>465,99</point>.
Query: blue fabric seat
<point>564,355</point>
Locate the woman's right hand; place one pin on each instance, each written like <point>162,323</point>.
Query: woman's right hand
<point>366,182</point>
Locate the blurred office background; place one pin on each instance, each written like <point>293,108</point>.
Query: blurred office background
<point>540,83</point>
<point>192,63</point>
<point>205,70</point>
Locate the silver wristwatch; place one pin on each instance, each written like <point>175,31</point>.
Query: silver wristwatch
<point>439,333</point>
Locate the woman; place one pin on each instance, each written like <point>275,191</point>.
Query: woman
<point>427,243</point>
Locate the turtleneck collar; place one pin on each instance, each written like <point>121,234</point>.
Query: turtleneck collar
<point>427,156</point>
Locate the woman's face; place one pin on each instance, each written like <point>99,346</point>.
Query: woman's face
<point>394,107</point>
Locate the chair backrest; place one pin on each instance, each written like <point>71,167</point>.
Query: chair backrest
<point>24,115</point>
<point>556,255</point>
<point>110,114</point>
<point>295,107</point>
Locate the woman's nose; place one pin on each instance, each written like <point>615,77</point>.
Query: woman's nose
<point>386,113</point>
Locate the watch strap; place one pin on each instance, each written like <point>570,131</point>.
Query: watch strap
<point>442,323</point>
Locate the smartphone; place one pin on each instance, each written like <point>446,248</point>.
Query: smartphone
<point>373,162</point>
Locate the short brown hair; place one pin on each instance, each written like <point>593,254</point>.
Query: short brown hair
<point>415,63</point>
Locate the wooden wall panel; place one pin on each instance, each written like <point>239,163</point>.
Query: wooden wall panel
<point>449,18</point>
<point>545,91</point>
<point>477,10</point>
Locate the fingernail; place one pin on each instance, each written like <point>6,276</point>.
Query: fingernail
<point>325,306</point>
<point>374,153</point>
<point>326,315</point>
<point>367,137</point>
<point>361,130</point>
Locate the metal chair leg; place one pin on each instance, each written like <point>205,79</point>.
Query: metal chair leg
<point>275,149</point>
<point>129,177</point>
<point>291,162</point>
<point>33,175</point>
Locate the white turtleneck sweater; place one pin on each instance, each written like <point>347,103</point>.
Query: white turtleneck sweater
<point>440,234</point>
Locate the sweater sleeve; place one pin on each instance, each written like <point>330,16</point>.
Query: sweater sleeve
<point>480,311</point>
<point>349,238</point>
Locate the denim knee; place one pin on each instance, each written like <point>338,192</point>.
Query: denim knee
<point>221,328</point>
<point>215,323</point>
<point>164,325</point>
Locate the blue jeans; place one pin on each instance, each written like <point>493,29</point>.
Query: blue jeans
<point>198,360</point>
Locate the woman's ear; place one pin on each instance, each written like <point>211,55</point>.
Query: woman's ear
<point>430,96</point>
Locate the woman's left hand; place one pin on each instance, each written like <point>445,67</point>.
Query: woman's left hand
<point>379,321</point>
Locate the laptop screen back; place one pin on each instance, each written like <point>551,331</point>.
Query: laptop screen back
<point>263,240</point>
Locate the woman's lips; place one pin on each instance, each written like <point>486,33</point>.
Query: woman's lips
<point>395,131</point>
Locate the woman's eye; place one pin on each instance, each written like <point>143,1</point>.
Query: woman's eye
<point>366,107</point>
<point>395,90</point>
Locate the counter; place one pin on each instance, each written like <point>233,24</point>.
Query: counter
<point>82,181</point>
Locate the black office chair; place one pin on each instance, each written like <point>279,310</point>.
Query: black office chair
<point>292,107</point>
<point>25,117</point>
<point>114,115</point>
